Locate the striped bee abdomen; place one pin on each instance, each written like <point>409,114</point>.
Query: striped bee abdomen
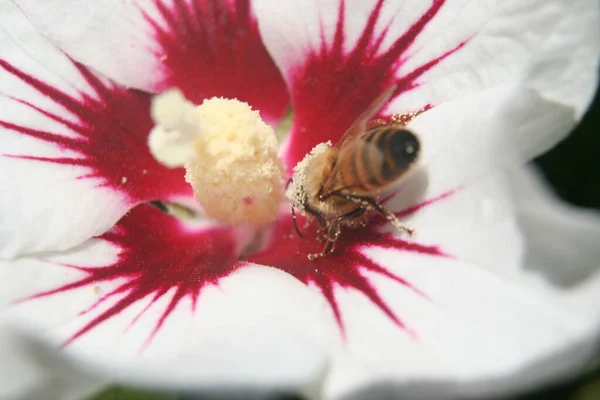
<point>375,159</point>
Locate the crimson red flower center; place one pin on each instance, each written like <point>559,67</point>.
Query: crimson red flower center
<point>159,256</point>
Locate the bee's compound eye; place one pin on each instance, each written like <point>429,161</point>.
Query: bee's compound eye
<point>403,145</point>
<point>400,148</point>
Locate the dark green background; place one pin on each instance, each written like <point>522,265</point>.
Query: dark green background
<point>573,167</point>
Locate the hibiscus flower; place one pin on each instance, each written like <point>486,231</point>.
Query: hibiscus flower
<point>105,279</point>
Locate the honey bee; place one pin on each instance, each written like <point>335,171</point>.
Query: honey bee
<point>339,185</point>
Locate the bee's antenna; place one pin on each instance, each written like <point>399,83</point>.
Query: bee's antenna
<point>295,223</point>
<point>288,183</point>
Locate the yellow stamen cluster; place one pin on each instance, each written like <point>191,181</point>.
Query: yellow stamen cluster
<point>230,158</point>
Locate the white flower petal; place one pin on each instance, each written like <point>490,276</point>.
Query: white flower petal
<point>458,175</point>
<point>205,49</point>
<point>562,241</point>
<point>142,314</point>
<point>462,148</point>
<point>453,311</point>
<point>103,28</point>
<point>479,335</point>
<point>337,56</point>
<point>482,330</point>
<point>37,197</point>
<point>29,371</point>
<point>565,64</point>
<point>71,164</point>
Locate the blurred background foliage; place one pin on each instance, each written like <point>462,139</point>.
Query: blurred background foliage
<point>572,168</point>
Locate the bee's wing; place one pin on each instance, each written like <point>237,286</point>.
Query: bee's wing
<point>360,124</point>
<point>371,152</point>
<point>352,134</point>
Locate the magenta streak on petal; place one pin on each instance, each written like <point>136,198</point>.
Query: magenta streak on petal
<point>333,85</point>
<point>346,266</point>
<point>157,255</point>
<point>213,48</point>
<point>109,137</point>
<point>413,209</point>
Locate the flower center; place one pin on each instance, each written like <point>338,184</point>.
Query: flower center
<point>229,154</point>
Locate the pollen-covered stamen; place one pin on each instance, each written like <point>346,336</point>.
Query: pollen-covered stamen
<point>229,153</point>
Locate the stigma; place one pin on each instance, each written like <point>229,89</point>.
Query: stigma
<point>228,152</point>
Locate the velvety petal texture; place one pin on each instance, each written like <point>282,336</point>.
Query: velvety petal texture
<point>206,48</point>
<point>74,155</point>
<point>169,309</point>
<point>467,306</point>
<point>336,56</point>
<point>473,304</point>
<point>30,370</point>
<point>409,313</point>
<point>484,112</point>
<point>495,330</point>
<point>546,221</point>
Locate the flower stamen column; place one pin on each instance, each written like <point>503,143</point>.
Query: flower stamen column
<point>229,153</point>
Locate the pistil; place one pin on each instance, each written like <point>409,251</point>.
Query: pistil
<point>229,154</point>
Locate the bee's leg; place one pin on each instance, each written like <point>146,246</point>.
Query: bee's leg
<point>405,118</point>
<point>329,247</point>
<point>319,218</point>
<point>333,233</point>
<point>295,222</point>
<point>315,214</point>
<point>371,203</point>
<point>287,185</point>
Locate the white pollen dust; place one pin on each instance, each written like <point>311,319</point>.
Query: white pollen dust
<point>229,154</point>
<point>295,191</point>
